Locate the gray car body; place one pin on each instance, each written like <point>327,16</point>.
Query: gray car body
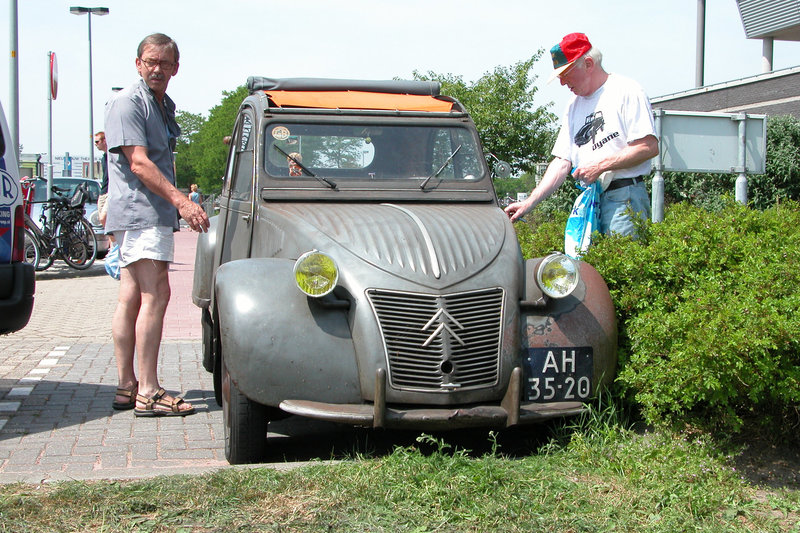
<point>397,246</point>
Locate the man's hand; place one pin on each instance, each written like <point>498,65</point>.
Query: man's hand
<point>554,176</point>
<point>517,210</point>
<point>194,215</point>
<point>636,152</point>
<point>588,173</point>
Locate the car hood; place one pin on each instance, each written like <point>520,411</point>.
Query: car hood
<point>429,244</point>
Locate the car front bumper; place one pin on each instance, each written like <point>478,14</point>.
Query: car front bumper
<point>509,412</point>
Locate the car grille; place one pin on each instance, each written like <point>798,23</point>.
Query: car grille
<point>440,342</point>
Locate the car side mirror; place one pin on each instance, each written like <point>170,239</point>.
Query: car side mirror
<point>502,169</point>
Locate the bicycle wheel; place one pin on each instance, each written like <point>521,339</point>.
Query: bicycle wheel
<point>31,248</point>
<point>77,244</point>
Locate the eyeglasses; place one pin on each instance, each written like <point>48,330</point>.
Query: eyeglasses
<point>579,64</point>
<point>98,141</point>
<point>152,63</point>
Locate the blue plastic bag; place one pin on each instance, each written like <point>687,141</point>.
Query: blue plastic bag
<point>112,261</point>
<point>584,219</point>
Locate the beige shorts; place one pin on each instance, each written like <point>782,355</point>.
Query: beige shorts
<point>102,204</point>
<point>156,243</point>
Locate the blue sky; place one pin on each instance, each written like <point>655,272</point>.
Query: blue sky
<point>222,43</point>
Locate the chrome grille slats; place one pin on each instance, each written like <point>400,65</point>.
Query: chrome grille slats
<point>459,350</point>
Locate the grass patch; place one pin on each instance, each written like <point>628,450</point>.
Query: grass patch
<point>594,473</point>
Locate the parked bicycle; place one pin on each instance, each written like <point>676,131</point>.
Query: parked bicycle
<point>63,232</point>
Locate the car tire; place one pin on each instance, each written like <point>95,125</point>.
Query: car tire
<point>216,377</point>
<point>245,423</point>
<point>211,356</point>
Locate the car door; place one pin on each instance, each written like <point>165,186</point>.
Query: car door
<point>237,210</point>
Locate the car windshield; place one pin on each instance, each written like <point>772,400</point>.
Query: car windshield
<point>40,190</point>
<point>372,152</point>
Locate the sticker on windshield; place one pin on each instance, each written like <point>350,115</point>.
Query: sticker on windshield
<point>280,133</point>
<point>247,127</point>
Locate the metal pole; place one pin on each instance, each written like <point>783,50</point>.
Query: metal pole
<point>657,200</point>
<point>701,43</point>
<point>13,78</point>
<point>49,127</point>
<point>91,103</point>
<point>766,54</point>
<point>741,181</point>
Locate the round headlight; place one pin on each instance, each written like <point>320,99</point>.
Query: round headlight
<point>558,275</point>
<point>94,218</point>
<point>315,273</point>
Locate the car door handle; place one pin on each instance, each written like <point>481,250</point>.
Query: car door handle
<point>246,218</point>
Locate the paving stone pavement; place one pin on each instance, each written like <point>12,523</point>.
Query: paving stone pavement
<point>58,377</point>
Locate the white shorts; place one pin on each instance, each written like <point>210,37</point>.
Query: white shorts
<point>151,243</point>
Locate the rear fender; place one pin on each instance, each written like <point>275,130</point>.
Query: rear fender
<point>277,343</point>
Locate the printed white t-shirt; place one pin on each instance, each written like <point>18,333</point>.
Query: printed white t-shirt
<point>596,126</point>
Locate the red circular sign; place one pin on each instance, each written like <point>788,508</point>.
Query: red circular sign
<point>53,75</point>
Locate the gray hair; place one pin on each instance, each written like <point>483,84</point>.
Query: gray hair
<point>159,39</point>
<point>596,55</point>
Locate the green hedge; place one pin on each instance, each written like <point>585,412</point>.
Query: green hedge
<point>707,306</point>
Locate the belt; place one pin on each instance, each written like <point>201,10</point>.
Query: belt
<point>624,182</point>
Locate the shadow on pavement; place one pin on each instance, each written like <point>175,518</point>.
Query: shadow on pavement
<point>42,406</point>
<point>60,270</point>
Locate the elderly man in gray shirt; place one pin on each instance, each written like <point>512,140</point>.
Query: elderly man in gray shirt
<point>143,207</point>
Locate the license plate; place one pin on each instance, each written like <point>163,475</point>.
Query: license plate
<point>558,374</point>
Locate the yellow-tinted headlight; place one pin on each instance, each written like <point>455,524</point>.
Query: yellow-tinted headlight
<point>558,275</point>
<point>315,273</point>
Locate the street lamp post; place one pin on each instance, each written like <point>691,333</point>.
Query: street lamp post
<point>100,11</point>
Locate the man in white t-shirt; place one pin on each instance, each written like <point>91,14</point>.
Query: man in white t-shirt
<point>606,133</point>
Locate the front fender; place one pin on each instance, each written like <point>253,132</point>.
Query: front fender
<point>277,343</point>
<point>204,265</point>
<point>585,318</point>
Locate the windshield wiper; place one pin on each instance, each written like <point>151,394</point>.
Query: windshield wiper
<point>326,181</point>
<point>444,165</point>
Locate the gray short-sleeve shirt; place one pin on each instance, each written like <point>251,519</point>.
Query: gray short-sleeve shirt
<point>133,117</point>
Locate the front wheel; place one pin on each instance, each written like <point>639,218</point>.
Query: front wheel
<point>245,423</point>
<point>77,244</point>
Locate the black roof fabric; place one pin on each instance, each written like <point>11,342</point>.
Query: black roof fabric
<point>426,88</point>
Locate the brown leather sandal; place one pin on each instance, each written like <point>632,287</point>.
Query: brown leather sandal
<point>161,404</point>
<point>130,393</point>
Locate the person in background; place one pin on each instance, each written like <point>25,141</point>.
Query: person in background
<point>607,132</point>
<point>195,195</point>
<point>143,209</point>
<point>102,200</point>
<point>293,160</point>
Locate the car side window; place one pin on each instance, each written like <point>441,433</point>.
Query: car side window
<point>241,188</point>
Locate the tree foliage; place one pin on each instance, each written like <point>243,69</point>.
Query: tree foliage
<point>201,152</point>
<point>501,104</point>
<point>190,124</point>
